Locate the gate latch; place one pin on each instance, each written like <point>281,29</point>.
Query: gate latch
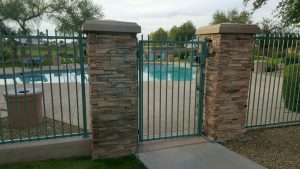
<point>210,52</point>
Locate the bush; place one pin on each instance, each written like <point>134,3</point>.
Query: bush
<point>292,60</point>
<point>47,63</point>
<point>257,57</point>
<point>62,54</point>
<point>291,87</point>
<point>6,54</point>
<point>182,53</point>
<point>279,54</point>
<point>272,63</point>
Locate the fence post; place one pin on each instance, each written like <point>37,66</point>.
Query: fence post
<point>111,52</point>
<point>227,79</point>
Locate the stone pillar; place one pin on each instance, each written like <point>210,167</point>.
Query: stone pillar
<point>227,79</point>
<point>111,51</point>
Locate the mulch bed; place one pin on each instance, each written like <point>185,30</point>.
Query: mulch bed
<point>274,148</point>
<point>48,127</point>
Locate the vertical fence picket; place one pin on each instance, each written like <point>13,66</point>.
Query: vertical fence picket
<point>166,101</point>
<point>41,76</point>
<point>33,86</point>
<point>160,77</point>
<point>191,57</point>
<point>274,80</point>
<point>280,92</point>
<point>82,77</point>
<point>184,85</point>
<point>172,99</point>
<point>287,60</point>
<point>75,57</point>
<point>15,89</point>
<point>297,74</point>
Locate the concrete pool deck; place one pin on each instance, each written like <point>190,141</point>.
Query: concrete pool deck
<point>166,119</point>
<point>18,70</point>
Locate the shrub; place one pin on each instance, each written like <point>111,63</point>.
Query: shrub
<point>258,57</point>
<point>272,63</point>
<point>67,61</point>
<point>182,53</point>
<point>291,87</point>
<point>279,54</point>
<point>292,60</point>
<point>70,55</point>
<point>6,54</point>
<point>255,57</point>
<point>62,54</point>
<point>47,63</point>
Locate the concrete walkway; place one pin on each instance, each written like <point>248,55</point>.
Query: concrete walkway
<point>196,156</point>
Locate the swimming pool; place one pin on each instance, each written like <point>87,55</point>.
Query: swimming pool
<point>168,72</point>
<point>157,72</point>
<point>52,76</point>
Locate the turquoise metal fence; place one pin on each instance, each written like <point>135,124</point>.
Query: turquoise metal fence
<point>275,81</point>
<point>170,88</point>
<point>42,86</point>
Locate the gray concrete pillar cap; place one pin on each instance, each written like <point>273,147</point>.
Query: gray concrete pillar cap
<point>228,28</point>
<point>110,26</point>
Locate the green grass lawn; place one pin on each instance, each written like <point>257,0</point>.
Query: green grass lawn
<point>42,51</point>
<point>129,162</point>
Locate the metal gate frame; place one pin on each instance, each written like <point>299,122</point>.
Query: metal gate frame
<point>198,62</point>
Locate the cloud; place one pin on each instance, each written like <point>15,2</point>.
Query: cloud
<point>152,14</point>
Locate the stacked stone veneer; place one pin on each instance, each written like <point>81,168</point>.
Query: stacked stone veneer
<point>227,80</point>
<point>113,92</point>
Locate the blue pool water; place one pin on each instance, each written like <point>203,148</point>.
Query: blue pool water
<point>53,76</point>
<point>150,73</point>
<point>167,72</point>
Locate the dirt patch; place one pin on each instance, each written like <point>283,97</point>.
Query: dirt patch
<point>48,127</point>
<point>274,148</point>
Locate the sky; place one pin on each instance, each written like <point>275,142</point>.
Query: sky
<point>152,14</point>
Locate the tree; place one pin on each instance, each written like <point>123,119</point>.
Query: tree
<point>231,16</point>
<point>271,26</point>
<point>174,33</point>
<point>287,10</point>
<point>4,29</point>
<point>69,15</point>
<point>74,14</point>
<point>24,13</point>
<point>186,31</point>
<point>159,34</point>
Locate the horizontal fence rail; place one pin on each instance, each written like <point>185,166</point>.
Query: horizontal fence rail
<point>42,86</point>
<point>275,81</point>
<point>168,75</point>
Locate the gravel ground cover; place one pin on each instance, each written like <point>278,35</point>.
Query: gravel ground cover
<point>47,127</point>
<point>274,148</point>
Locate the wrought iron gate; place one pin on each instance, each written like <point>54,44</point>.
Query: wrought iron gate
<point>170,88</point>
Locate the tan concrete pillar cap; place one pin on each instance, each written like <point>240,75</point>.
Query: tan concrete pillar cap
<point>228,28</point>
<point>110,26</point>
